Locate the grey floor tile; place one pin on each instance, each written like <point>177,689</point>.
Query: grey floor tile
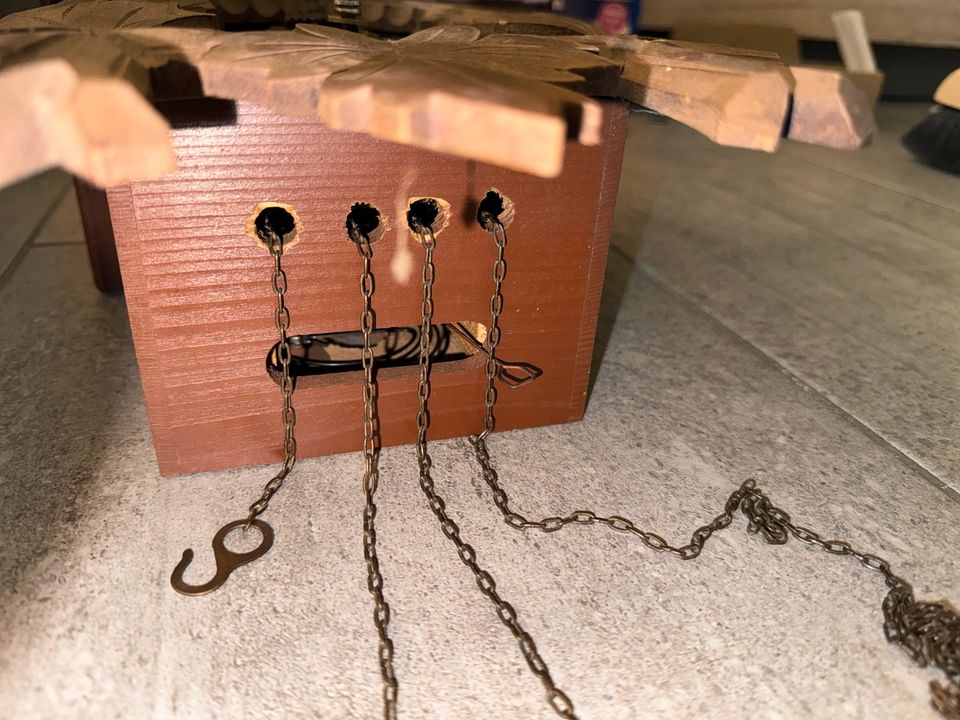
<point>851,285</point>
<point>886,163</point>
<point>682,411</point>
<point>23,209</point>
<point>63,226</point>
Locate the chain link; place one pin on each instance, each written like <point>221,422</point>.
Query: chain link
<point>289,415</point>
<point>490,367</point>
<point>371,476</point>
<point>556,698</point>
<point>928,632</point>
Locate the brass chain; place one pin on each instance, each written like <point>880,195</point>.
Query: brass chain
<point>493,335</point>
<point>227,560</point>
<point>928,632</point>
<point>371,476</point>
<point>289,415</point>
<point>557,699</point>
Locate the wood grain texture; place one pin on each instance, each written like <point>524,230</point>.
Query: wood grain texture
<point>829,110</point>
<point>919,22</point>
<point>495,99</point>
<point>734,97</point>
<point>73,89</point>
<point>479,91</point>
<point>98,128</point>
<point>78,15</point>
<point>201,309</point>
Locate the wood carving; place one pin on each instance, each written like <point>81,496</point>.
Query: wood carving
<point>78,15</point>
<point>101,129</point>
<point>497,99</point>
<point>829,110</point>
<point>482,91</point>
<point>72,88</point>
<point>734,97</point>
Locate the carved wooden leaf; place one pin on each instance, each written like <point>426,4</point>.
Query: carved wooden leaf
<point>86,34</point>
<point>479,91</point>
<point>101,129</point>
<point>72,86</point>
<point>444,88</point>
<point>735,98</point>
<point>113,15</point>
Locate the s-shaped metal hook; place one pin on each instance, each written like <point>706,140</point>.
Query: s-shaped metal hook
<point>227,560</point>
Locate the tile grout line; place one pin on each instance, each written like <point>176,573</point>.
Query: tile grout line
<point>877,183</point>
<point>29,242</point>
<point>59,243</point>
<point>690,301</point>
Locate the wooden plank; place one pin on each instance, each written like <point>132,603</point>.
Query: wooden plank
<point>734,97</point>
<point>101,129</point>
<point>492,99</point>
<point>481,92</point>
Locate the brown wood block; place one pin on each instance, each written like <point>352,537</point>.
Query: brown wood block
<point>98,233</point>
<point>201,308</point>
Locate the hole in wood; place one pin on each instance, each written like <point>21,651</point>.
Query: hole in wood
<point>427,213</point>
<point>495,206</point>
<point>366,219</point>
<point>273,222</point>
<point>325,356</point>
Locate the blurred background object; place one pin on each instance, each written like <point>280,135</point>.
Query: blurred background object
<point>936,139</point>
<point>916,44</point>
<point>615,17</point>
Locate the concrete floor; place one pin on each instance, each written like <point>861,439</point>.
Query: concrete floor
<point>792,318</point>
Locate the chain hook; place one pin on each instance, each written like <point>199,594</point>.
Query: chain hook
<point>227,560</point>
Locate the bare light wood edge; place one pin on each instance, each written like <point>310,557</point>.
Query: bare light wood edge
<point>478,91</point>
<point>829,110</point>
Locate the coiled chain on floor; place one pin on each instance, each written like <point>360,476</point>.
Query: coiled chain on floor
<point>929,632</point>
<point>488,586</point>
<point>371,476</point>
<point>289,415</point>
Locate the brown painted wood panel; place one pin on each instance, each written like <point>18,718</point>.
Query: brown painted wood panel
<point>201,309</point>
<point>98,233</point>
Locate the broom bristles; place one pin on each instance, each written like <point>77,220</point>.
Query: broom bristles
<point>936,140</point>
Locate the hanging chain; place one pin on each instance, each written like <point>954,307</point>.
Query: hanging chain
<point>371,476</point>
<point>928,632</point>
<point>289,415</point>
<point>488,586</point>
<point>226,559</point>
<point>493,335</point>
